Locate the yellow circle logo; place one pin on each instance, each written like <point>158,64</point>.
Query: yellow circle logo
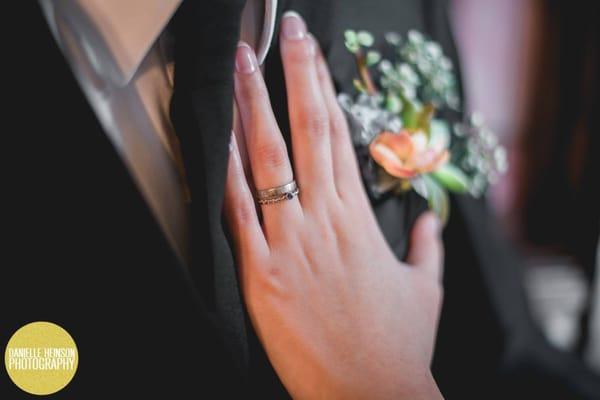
<point>41,358</point>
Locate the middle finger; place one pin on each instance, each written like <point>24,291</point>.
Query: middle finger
<point>309,117</point>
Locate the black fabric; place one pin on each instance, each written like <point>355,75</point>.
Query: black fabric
<point>488,345</point>
<point>84,251</point>
<point>206,37</point>
<point>81,248</point>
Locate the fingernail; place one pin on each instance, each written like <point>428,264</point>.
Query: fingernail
<point>313,44</point>
<point>232,142</point>
<point>433,224</point>
<point>293,26</point>
<point>245,59</point>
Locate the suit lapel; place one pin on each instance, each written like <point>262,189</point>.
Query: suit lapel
<point>206,36</point>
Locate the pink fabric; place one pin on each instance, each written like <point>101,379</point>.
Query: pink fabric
<point>494,40</point>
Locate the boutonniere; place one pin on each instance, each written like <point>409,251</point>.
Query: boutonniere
<point>401,140</point>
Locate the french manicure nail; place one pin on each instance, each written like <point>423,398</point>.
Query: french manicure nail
<point>245,59</point>
<point>433,224</point>
<point>313,44</point>
<point>293,26</point>
<point>232,143</point>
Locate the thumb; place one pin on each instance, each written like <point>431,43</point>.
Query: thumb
<point>426,250</point>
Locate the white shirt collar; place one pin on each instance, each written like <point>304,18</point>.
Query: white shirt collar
<point>116,35</point>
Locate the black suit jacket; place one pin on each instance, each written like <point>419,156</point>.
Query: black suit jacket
<point>82,249</point>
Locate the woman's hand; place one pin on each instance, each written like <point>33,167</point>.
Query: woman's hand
<point>338,314</point>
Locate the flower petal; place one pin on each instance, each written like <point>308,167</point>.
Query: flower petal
<point>430,160</point>
<point>400,143</point>
<point>419,141</point>
<point>440,160</point>
<point>392,151</point>
<point>390,161</point>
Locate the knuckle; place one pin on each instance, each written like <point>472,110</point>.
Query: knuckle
<point>338,125</point>
<point>339,218</point>
<point>322,72</point>
<point>272,155</point>
<point>245,212</point>
<point>273,271</point>
<point>255,92</point>
<point>328,233</point>
<point>314,123</point>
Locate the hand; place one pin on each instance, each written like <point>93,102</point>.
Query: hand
<point>338,314</point>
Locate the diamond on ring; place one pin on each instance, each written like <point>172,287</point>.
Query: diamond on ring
<point>277,194</point>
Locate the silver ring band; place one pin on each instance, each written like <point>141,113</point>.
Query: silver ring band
<point>277,194</point>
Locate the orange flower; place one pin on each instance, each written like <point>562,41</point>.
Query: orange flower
<point>407,154</point>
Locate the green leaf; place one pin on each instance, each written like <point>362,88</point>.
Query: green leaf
<point>350,36</point>
<point>452,178</point>
<point>439,134</point>
<point>352,47</point>
<point>393,103</point>
<point>373,58</point>
<point>351,41</point>
<point>436,196</point>
<point>410,114</point>
<point>365,39</point>
<point>423,119</point>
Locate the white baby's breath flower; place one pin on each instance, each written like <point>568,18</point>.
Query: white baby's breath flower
<point>477,119</point>
<point>393,38</point>
<point>415,37</point>
<point>446,63</point>
<point>407,74</point>
<point>385,66</point>
<point>368,117</point>
<point>433,50</point>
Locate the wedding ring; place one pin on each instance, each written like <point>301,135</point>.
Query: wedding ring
<point>277,194</point>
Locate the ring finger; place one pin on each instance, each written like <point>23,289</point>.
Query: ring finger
<point>266,148</point>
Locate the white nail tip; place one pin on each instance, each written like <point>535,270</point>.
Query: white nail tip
<point>292,13</point>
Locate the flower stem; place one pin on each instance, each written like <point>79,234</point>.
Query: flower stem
<point>425,116</point>
<point>365,75</point>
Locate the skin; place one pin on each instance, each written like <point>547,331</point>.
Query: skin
<point>338,315</point>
